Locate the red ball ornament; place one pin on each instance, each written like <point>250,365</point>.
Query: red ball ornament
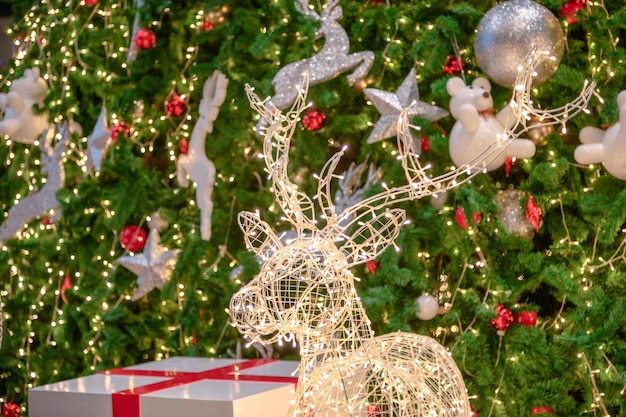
<point>11,409</point>
<point>504,319</point>
<point>371,266</point>
<point>527,318</point>
<point>569,9</point>
<point>314,120</point>
<point>120,127</point>
<point>145,39</point>
<point>542,410</point>
<point>208,25</point>
<point>91,2</point>
<point>132,238</point>
<point>508,164</point>
<point>184,146</point>
<point>425,143</point>
<point>176,106</point>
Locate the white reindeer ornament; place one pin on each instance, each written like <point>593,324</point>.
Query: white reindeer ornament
<point>305,290</point>
<point>43,201</point>
<point>333,59</point>
<point>195,165</point>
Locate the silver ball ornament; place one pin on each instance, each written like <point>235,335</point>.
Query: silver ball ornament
<point>508,33</point>
<point>427,307</point>
<point>512,215</point>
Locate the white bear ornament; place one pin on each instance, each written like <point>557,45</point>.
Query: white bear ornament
<point>606,146</point>
<point>477,127</point>
<point>20,122</point>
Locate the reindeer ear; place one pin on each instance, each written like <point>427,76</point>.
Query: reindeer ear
<point>373,236</point>
<point>258,235</point>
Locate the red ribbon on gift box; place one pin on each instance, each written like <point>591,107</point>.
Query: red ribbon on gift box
<point>126,403</point>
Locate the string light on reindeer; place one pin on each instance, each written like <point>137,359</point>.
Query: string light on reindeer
<point>332,60</point>
<point>305,290</point>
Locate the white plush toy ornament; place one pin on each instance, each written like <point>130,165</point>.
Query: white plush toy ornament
<point>606,146</point>
<point>20,122</point>
<point>477,127</point>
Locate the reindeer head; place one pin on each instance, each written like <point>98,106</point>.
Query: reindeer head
<point>305,285</point>
<point>332,12</point>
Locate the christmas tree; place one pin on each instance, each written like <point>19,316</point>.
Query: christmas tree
<point>115,250</point>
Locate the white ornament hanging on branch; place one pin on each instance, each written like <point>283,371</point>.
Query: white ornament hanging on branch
<point>21,122</point>
<point>476,127</point>
<point>427,307</point>
<point>606,146</point>
<point>333,59</point>
<point>195,165</point>
<point>43,201</point>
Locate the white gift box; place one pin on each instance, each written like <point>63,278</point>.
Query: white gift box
<point>179,386</point>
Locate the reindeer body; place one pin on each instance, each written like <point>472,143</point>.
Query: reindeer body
<point>305,290</point>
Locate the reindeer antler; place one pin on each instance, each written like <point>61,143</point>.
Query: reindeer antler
<point>296,205</point>
<point>303,7</point>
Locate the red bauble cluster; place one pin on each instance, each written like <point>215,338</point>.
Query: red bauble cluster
<point>461,218</point>
<point>533,213</point>
<point>570,8</point>
<point>132,238</point>
<point>504,319</point>
<point>120,127</point>
<point>145,39</point>
<point>453,65</point>
<point>11,409</point>
<point>176,106</point>
<point>314,120</point>
<point>373,410</point>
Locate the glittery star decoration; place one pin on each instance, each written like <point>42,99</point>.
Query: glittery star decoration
<point>98,141</point>
<point>390,105</point>
<point>153,267</point>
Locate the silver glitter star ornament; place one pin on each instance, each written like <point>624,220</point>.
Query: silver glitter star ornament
<point>153,267</point>
<point>98,142</point>
<point>390,105</point>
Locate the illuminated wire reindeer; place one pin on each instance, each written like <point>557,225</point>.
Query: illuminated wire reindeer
<point>305,290</point>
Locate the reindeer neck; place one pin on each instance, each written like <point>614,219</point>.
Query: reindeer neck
<point>336,41</point>
<point>198,139</point>
<point>351,330</point>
